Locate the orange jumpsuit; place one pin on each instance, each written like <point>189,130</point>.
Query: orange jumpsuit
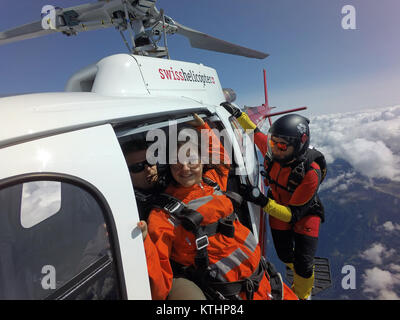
<point>231,259</point>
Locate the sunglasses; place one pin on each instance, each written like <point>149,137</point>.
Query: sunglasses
<point>192,163</point>
<point>283,146</point>
<point>139,166</point>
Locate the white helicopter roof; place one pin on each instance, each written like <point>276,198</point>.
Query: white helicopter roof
<point>31,116</point>
<point>118,87</point>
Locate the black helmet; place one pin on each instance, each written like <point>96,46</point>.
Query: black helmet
<point>295,130</point>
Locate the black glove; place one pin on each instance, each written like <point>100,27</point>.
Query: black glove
<point>236,112</point>
<point>253,194</point>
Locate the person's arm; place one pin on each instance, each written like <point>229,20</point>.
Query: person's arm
<point>217,153</point>
<point>300,200</point>
<point>158,244</point>
<point>299,203</point>
<point>260,139</point>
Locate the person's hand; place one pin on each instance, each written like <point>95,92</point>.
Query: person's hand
<point>253,194</point>
<point>197,122</point>
<point>143,227</point>
<point>236,112</point>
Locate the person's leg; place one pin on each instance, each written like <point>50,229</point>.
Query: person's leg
<point>282,235</point>
<point>306,240</point>
<point>184,289</point>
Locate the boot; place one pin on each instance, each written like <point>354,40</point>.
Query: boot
<point>302,287</point>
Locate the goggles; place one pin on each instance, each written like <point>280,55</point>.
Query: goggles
<point>283,146</point>
<point>139,166</point>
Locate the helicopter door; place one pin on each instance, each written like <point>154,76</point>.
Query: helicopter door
<point>247,166</point>
<point>69,217</point>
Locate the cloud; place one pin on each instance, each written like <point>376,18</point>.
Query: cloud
<point>394,267</point>
<point>376,253</point>
<point>389,226</point>
<point>338,183</point>
<point>368,140</point>
<point>380,284</point>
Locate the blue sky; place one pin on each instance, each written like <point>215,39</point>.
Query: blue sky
<point>313,60</point>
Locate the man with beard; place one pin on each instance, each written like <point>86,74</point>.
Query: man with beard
<point>145,176</point>
<point>293,172</point>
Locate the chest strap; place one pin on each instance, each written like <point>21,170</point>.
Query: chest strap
<point>235,197</point>
<point>296,176</point>
<point>191,221</point>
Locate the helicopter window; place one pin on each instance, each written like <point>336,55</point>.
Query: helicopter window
<point>234,182</point>
<point>54,244</point>
<point>151,124</point>
<point>248,151</point>
<point>134,138</point>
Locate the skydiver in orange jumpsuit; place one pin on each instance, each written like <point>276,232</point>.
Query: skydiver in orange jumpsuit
<point>295,211</point>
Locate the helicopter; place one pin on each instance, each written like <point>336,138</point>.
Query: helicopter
<point>64,169</point>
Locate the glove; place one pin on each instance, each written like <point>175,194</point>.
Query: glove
<point>236,112</point>
<point>253,194</point>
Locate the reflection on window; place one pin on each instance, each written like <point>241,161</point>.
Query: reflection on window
<point>52,235</point>
<point>40,200</point>
<point>248,151</point>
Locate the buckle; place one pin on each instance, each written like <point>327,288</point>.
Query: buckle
<point>202,242</point>
<point>299,169</point>
<point>172,206</point>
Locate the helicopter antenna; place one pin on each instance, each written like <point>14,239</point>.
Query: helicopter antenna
<point>125,41</point>
<point>165,33</point>
<point>124,3</point>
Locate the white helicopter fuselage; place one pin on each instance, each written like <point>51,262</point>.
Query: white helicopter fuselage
<point>70,143</point>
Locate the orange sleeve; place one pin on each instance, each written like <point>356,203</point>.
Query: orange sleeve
<point>158,250</point>
<point>217,152</point>
<point>156,276</point>
<point>261,141</point>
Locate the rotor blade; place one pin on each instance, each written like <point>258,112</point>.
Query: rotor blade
<point>84,13</point>
<point>204,41</point>
<point>94,11</point>
<point>82,27</point>
<point>27,31</point>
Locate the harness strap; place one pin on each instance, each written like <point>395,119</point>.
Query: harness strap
<point>191,220</point>
<point>298,169</point>
<point>296,176</point>
<point>235,197</point>
<point>231,290</point>
<point>275,280</point>
<point>249,285</point>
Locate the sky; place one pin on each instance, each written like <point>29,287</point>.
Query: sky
<point>313,61</point>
